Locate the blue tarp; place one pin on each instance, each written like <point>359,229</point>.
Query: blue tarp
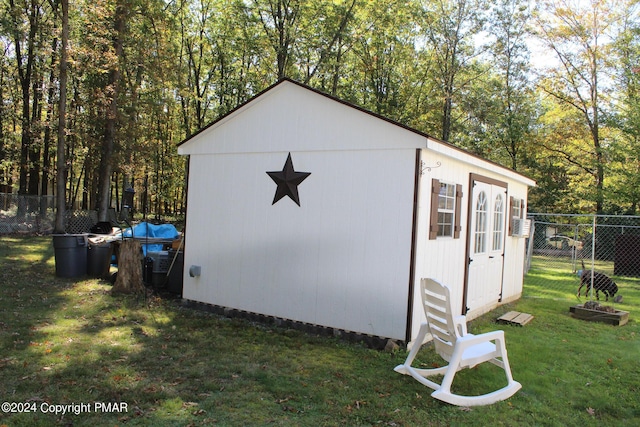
<point>144,229</point>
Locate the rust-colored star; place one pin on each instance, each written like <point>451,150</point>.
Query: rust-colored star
<point>288,180</point>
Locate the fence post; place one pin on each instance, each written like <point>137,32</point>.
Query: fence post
<point>574,250</point>
<point>530,246</point>
<point>593,252</point>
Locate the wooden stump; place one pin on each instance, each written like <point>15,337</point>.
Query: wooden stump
<point>129,278</point>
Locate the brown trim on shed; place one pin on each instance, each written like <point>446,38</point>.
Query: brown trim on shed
<point>433,219</point>
<point>487,180</point>
<point>467,260</point>
<point>458,214</point>
<point>473,177</point>
<point>414,242</point>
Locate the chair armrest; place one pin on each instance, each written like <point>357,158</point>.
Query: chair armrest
<point>471,339</point>
<point>460,323</point>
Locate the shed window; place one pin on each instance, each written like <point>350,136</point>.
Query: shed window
<point>516,211</point>
<point>445,209</point>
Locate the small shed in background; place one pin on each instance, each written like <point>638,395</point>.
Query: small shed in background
<point>627,261</point>
<point>307,208</point>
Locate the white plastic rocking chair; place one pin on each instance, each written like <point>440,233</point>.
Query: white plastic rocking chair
<point>459,348</point>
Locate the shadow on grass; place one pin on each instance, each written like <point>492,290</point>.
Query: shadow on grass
<point>70,342</point>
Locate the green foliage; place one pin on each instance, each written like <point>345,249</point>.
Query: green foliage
<point>625,152</point>
<point>459,70</point>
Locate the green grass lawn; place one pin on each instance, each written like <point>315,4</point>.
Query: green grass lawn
<point>72,343</point>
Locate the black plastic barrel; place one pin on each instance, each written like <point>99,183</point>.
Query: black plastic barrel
<point>70,252</point>
<point>174,282</point>
<point>98,259</point>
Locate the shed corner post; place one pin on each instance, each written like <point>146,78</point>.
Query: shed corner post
<point>414,240</point>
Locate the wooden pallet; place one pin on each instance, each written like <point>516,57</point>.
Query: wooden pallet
<point>515,318</point>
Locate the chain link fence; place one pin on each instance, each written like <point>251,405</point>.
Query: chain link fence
<point>24,214</point>
<point>21,214</point>
<point>563,250</point>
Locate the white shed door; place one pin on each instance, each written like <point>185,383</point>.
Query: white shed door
<point>486,245</point>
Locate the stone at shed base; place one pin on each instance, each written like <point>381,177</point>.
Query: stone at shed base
<point>391,346</point>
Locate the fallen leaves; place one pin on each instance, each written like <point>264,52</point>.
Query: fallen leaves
<point>6,361</point>
<point>356,405</point>
<point>286,408</point>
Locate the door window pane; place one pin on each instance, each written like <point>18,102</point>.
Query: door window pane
<point>498,223</point>
<point>480,238</point>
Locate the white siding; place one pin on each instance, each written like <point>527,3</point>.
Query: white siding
<point>514,254</point>
<point>444,259</point>
<point>289,117</point>
<point>341,259</point>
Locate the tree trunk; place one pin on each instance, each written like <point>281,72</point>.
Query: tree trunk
<point>25,71</point>
<point>60,160</point>
<point>35,149</point>
<point>106,163</point>
<point>448,102</point>
<point>129,280</point>
<point>46,160</point>
<point>3,189</point>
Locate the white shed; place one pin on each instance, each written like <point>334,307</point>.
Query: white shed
<point>307,208</point>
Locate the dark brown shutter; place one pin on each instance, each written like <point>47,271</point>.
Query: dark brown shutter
<point>458,213</point>
<point>433,221</point>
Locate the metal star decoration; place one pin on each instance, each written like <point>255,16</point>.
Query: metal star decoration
<point>288,180</point>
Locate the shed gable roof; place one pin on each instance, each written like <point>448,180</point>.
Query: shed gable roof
<point>289,116</point>
<point>289,112</point>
